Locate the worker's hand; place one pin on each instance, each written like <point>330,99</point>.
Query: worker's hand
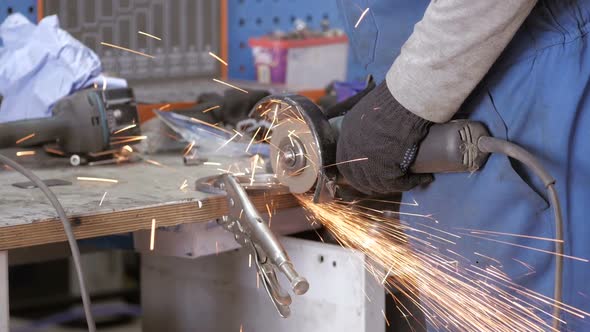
<point>381,129</point>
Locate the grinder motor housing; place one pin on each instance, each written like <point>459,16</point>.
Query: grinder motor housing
<point>82,123</point>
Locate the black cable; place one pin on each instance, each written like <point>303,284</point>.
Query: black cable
<point>68,230</point>
<point>494,145</point>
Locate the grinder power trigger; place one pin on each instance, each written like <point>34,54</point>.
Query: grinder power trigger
<point>303,146</point>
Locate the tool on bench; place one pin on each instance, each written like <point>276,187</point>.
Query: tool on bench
<point>87,125</point>
<point>253,233</point>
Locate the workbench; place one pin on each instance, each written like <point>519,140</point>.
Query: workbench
<point>160,187</point>
<point>145,190</point>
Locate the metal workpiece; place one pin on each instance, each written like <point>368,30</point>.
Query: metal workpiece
<point>264,183</point>
<point>252,232</point>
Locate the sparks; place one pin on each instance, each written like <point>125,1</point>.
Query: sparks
<point>153,162</point>
<point>124,128</point>
<point>210,125</point>
<point>25,138</point>
<point>269,215</point>
<point>127,140</point>
<point>127,49</point>
<point>153,234</point>
<point>254,169</point>
<point>189,147</point>
<point>149,35</point>
<point>25,153</point>
<point>346,162</point>
<point>361,18</point>
<point>210,163</point>
<point>102,199</point>
<point>252,140</point>
<point>479,231</point>
<point>163,107</point>
<point>104,83</point>
<point>218,58</point>
<point>450,295</point>
<point>85,178</point>
<point>55,151</point>
<point>385,317</point>
<point>127,148</point>
<point>231,86</point>
<point>228,141</point>
<point>530,248</point>
<point>216,248</point>
<point>249,260</point>
<point>211,108</point>
<point>184,184</point>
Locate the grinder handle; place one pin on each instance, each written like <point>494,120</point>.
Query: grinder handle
<point>448,148</point>
<point>45,130</point>
<point>451,148</point>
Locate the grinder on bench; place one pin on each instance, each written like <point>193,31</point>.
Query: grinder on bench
<point>85,123</point>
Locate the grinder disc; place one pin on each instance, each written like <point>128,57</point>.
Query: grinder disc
<point>293,139</point>
<point>302,140</point>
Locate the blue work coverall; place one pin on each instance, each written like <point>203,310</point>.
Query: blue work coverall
<point>535,95</point>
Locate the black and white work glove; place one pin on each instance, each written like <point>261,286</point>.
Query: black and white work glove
<point>379,128</point>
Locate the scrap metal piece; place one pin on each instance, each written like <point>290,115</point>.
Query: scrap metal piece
<point>252,232</point>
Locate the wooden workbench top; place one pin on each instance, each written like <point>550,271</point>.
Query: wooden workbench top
<point>144,191</point>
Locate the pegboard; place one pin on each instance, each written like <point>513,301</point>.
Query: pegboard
<point>254,18</point>
<point>188,29</point>
<point>25,7</point>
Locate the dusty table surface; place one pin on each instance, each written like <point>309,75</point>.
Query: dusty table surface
<point>139,184</point>
<point>146,190</point>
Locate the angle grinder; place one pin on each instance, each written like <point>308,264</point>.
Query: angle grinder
<point>303,157</point>
<point>303,146</point>
<point>86,123</point>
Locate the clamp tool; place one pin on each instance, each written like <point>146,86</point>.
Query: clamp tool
<point>253,233</point>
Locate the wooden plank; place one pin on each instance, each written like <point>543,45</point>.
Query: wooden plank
<point>144,191</point>
<point>109,223</point>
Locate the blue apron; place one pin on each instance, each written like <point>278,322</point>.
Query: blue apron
<point>536,95</point>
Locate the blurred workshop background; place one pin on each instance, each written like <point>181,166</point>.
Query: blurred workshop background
<point>268,45</point>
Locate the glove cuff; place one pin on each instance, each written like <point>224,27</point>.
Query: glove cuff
<point>397,112</point>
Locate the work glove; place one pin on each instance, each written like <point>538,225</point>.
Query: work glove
<point>379,128</point>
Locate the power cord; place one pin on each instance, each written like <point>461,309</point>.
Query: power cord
<point>68,230</point>
<point>494,145</point>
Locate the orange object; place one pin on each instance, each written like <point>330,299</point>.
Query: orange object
<point>146,111</point>
<point>224,35</point>
<point>314,95</point>
<point>39,10</point>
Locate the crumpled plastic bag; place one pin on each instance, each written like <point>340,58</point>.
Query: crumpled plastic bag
<point>40,64</point>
